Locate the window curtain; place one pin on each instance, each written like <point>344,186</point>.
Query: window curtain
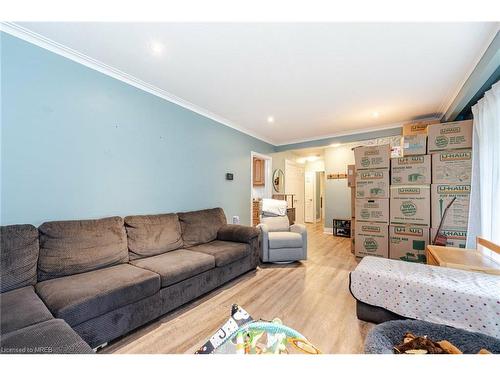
<point>484,212</point>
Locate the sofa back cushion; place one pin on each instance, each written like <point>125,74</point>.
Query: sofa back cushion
<point>18,256</point>
<point>71,247</point>
<point>150,235</point>
<point>200,227</point>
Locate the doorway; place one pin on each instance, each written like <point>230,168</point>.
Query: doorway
<point>260,183</point>
<point>314,196</point>
<point>294,184</point>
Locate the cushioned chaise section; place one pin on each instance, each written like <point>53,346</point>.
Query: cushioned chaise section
<point>18,256</point>
<point>177,265</point>
<point>21,308</point>
<point>150,235</point>
<point>116,323</point>
<point>237,233</point>
<point>224,252</point>
<point>280,240</point>
<point>71,247</point>
<point>200,227</point>
<point>84,296</point>
<point>50,337</point>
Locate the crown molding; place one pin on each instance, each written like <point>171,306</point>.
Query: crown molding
<point>69,53</point>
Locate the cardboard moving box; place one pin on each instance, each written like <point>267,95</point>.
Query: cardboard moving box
<point>411,170</point>
<point>455,238</point>
<point>458,213</point>
<point>408,242</point>
<point>372,183</point>
<point>414,144</point>
<point>371,157</point>
<point>452,167</point>
<point>371,239</point>
<point>417,127</point>
<point>410,205</point>
<point>450,135</point>
<point>375,209</point>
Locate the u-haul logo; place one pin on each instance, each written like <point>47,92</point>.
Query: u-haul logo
<point>418,127</point>
<point>371,175</point>
<point>453,189</point>
<point>411,160</point>
<point>370,228</point>
<point>457,234</point>
<point>409,231</point>
<point>450,130</point>
<point>411,191</point>
<point>452,156</point>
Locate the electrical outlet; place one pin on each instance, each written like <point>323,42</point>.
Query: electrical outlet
<point>236,219</point>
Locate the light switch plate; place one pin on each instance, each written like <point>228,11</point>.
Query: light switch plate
<point>236,219</point>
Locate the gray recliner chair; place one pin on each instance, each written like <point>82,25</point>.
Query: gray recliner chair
<point>282,242</point>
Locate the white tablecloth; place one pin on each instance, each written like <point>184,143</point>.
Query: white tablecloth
<point>463,299</point>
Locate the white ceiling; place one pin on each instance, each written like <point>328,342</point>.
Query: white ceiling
<point>316,80</point>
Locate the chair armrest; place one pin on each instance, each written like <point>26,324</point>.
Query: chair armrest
<point>298,228</point>
<point>237,233</point>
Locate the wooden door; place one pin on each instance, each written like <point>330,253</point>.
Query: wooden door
<point>258,172</point>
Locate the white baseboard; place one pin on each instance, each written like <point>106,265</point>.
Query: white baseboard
<point>327,230</point>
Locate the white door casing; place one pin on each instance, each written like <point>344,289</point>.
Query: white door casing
<point>309,197</point>
<point>294,184</point>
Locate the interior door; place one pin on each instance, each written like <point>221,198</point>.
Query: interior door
<point>294,184</point>
<point>309,195</point>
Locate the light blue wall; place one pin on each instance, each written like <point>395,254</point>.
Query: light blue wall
<point>76,144</point>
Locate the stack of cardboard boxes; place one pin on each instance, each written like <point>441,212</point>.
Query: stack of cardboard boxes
<point>398,216</point>
<point>410,201</point>
<point>451,147</point>
<point>372,200</point>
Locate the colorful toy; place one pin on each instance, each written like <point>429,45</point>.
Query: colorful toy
<point>241,334</point>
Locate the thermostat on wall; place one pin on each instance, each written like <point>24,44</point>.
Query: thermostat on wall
<point>229,176</point>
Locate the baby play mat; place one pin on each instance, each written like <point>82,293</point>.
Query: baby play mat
<point>241,334</point>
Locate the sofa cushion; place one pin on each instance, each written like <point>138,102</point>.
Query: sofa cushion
<point>224,252</point>
<point>200,227</point>
<point>177,265</point>
<point>53,336</point>
<point>281,240</point>
<point>72,247</point>
<point>18,256</point>
<point>84,296</point>
<point>21,308</point>
<point>150,235</point>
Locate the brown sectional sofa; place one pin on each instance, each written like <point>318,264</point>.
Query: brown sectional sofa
<point>106,277</point>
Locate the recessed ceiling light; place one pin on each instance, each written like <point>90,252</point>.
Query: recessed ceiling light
<point>270,119</point>
<point>312,158</point>
<point>157,48</point>
<point>375,114</point>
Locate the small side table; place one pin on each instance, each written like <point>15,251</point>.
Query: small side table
<point>465,259</point>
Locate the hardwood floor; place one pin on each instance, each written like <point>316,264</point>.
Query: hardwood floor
<point>311,297</point>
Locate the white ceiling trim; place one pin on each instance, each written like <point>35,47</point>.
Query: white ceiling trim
<point>448,100</point>
<point>51,45</point>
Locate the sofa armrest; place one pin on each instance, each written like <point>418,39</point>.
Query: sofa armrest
<point>237,233</point>
<point>264,230</point>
